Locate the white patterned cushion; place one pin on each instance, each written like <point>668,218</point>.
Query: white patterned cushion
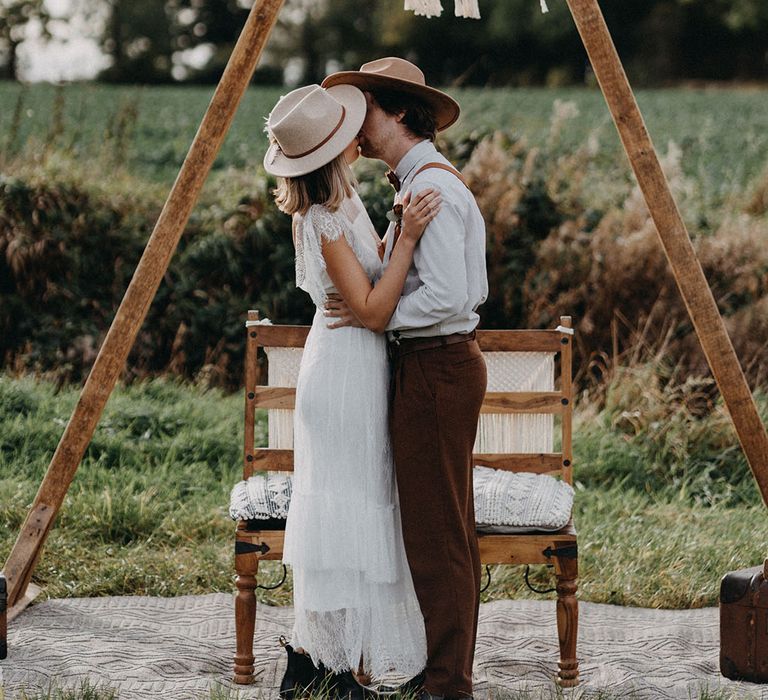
<point>505,502</point>
<point>511,502</point>
<point>261,497</point>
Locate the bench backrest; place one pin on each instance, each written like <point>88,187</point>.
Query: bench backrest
<point>516,428</point>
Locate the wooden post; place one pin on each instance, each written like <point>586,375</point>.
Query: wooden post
<point>135,304</point>
<point>674,237</point>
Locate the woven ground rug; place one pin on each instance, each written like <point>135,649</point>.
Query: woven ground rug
<point>182,648</point>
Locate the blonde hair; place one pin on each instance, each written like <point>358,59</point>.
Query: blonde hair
<point>328,185</point>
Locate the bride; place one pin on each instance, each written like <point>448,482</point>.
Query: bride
<point>354,601</point>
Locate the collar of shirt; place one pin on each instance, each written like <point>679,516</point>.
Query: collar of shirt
<point>412,158</point>
<point>420,153</point>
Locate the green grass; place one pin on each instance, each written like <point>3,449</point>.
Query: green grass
<point>147,511</point>
<point>85,690</point>
<point>723,134</point>
<point>665,502</point>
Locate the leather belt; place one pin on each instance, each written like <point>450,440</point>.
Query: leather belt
<point>404,346</point>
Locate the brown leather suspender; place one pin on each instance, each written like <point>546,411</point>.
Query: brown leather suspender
<point>445,167</point>
<point>442,166</point>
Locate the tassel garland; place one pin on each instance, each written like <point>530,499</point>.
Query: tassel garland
<point>467,8</point>
<point>425,8</point>
<point>463,8</point>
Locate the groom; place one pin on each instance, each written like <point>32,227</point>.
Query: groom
<point>439,374</point>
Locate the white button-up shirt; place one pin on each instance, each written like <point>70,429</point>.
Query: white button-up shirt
<point>447,280</point>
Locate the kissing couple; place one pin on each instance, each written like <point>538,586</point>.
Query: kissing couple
<point>381,526</point>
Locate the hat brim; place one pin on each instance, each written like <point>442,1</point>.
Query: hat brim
<point>353,101</point>
<point>447,110</point>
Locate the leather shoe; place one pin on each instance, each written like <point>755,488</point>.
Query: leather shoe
<point>411,686</point>
<point>426,695</point>
<point>299,675</point>
<point>341,686</point>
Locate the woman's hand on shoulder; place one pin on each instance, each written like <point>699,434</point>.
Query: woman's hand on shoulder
<point>418,211</point>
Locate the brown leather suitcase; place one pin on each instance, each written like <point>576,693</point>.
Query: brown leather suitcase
<point>744,624</point>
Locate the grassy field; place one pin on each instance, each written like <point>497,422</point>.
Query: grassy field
<point>664,506</point>
<point>665,503</point>
<point>660,521</point>
<point>723,133</point>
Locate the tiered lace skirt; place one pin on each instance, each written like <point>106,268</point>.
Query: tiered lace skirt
<point>353,592</point>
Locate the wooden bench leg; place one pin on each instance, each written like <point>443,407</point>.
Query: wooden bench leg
<point>567,622</point>
<point>247,567</point>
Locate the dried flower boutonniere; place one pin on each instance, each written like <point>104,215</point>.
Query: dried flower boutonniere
<point>395,215</point>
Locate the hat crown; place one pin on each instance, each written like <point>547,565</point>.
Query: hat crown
<point>393,67</point>
<point>397,74</point>
<point>304,119</point>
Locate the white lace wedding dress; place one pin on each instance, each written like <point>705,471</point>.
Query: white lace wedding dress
<point>353,593</point>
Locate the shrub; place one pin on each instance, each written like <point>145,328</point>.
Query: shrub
<point>555,246</point>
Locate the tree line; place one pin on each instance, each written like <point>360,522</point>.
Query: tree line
<point>164,41</point>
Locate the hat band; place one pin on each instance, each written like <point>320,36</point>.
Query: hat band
<point>324,141</point>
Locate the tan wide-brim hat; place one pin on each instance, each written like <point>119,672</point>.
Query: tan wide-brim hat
<point>311,126</point>
<point>404,76</point>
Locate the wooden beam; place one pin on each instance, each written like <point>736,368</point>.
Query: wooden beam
<point>519,341</point>
<point>490,341</point>
<point>674,237</point>
<point>133,308</point>
<point>284,398</point>
<point>275,460</point>
<point>21,605</point>
<point>522,402</point>
<point>275,397</point>
<point>533,462</point>
<point>280,336</point>
<point>272,460</point>
<point>518,549</point>
<point>251,346</point>
<point>272,541</point>
<point>566,387</point>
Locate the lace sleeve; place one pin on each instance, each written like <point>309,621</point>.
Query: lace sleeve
<point>317,224</point>
<point>326,223</point>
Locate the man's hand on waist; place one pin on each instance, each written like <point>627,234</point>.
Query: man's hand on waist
<point>336,307</point>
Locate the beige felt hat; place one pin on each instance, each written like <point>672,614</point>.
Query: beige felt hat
<point>399,74</point>
<point>310,126</point>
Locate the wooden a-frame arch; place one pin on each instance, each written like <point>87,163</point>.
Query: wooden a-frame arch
<point>111,359</point>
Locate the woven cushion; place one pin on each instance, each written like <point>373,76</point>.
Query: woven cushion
<point>262,497</point>
<point>513,502</point>
<point>505,502</point>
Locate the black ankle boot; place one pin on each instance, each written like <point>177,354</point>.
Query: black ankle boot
<point>340,686</point>
<point>345,687</point>
<point>411,686</point>
<point>299,676</point>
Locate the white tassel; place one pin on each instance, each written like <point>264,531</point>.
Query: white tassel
<point>467,8</point>
<point>544,7</point>
<point>425,8</point>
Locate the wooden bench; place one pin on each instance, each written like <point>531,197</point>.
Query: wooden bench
<point>254,543</point>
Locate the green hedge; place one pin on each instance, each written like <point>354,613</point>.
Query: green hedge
<point>68,248</point>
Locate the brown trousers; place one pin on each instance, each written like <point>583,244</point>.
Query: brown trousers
<point>436,399</point>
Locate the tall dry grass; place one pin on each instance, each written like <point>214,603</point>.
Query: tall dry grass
<point>566,235</point>
<point>552,252</point>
